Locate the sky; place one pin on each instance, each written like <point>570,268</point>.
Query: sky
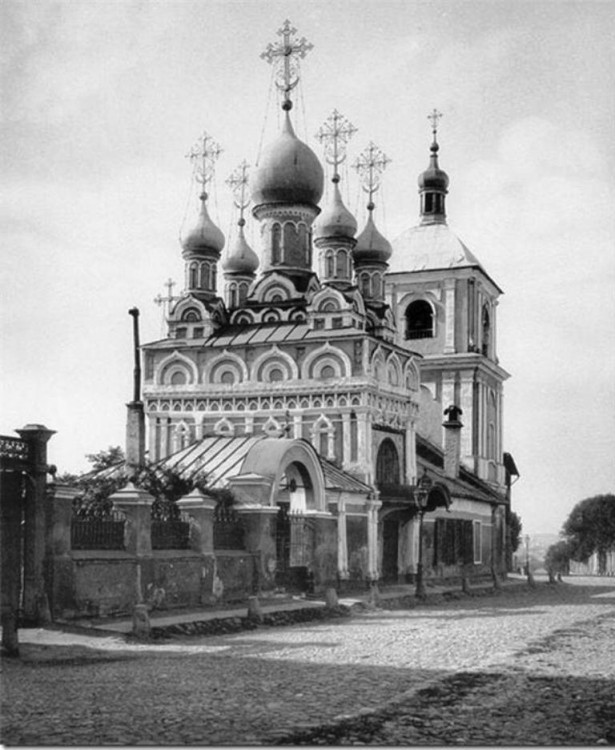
<point>101,101</point>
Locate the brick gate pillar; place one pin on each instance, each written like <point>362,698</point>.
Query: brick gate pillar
<point>35,604</point>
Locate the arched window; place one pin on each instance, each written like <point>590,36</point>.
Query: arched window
<point>419,320</point>
<point>243,293</point>
<point>213,271</point>
<point>486,323</point>
<point>342,265</point>
<point>193,276</point>
<point>376,285</point>
<point>387,463</point>
<point>276,243</point>
<point>290,240</point>
<point>365,285</point>
<point>329,264</point>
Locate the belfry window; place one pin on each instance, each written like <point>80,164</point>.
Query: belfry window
<point>419,320</point>
<point>486,324</point>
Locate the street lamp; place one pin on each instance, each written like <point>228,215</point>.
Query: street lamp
<point>421,494</point>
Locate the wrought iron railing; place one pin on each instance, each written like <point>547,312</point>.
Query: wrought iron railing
<point>424,333</point>
<point>172,533</point>
<point>104,532</point>
<point>228,529</point>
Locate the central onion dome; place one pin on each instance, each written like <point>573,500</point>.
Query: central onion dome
<point>335,220</point>
<point>371,246</point>
<point>241,258</point>
<point>205,238</point>
<point>433,178</point>
<point>288,171</point>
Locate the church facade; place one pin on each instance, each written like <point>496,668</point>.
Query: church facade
<point>314,386</point>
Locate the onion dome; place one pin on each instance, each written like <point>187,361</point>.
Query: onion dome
<point>288,171</point>
<point>371,246</point>
<point>335,220</point>
<point>433,178</point>
<point>241,258</point>
<point>205,238</point>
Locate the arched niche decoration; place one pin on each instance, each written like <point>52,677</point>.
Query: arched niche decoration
<point>378,365</point>
<point>264,366</point>
<point>187,305</point>
<point>326,355</point>
<point>273,285</point>
<point>173,364</point>
<point>394,371</point>
<point>411,377</point>
<point>225,362</point>
<point>224,427</point>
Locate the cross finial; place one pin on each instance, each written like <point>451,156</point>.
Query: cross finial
<point>335,133</point>
<point>204,155</point>
<point>370,165</point>
<point>434,117</point>
<point>285,55</point>
<point>238,182</point>
<point>165,302</point>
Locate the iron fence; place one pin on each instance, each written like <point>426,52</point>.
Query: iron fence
<point>171,533</point>
<point>104,532</point>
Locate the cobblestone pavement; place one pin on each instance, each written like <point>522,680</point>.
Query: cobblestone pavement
<point>526,667</point>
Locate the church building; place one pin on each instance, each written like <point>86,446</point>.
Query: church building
<point>354,413</point>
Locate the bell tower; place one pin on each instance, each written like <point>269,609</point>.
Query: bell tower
<point>445,305</point>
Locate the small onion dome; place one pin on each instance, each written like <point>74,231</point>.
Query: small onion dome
<point>371,245</point>
<point>288,171</point>
<point>204,238</point>
<point>241,258</point>
<point>336,220</point>
<point>433,178</point>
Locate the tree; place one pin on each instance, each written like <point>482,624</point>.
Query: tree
<point>557,559</point>
<point>104,459</point>
<point>514,531</point>
<point>590,528</point>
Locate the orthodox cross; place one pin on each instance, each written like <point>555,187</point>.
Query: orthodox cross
<point>238,182</point>
<point>435,118</point>
<point>335,133</point>
<point>370,165</point>
<point>166,302</point>
<point>285,55</point>
<point>203,155</point>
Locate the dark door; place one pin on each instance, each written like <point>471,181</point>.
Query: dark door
<point>390,549</point>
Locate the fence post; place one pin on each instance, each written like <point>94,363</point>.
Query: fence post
<point>59,565</point>
<point>136,504</point>
<point>35,604</point>
<point>201,509</point>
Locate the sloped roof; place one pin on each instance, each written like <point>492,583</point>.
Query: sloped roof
<point>467,484</point>
<point>336,479</point>
<point>220,458</point>
<point>431,246</point>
